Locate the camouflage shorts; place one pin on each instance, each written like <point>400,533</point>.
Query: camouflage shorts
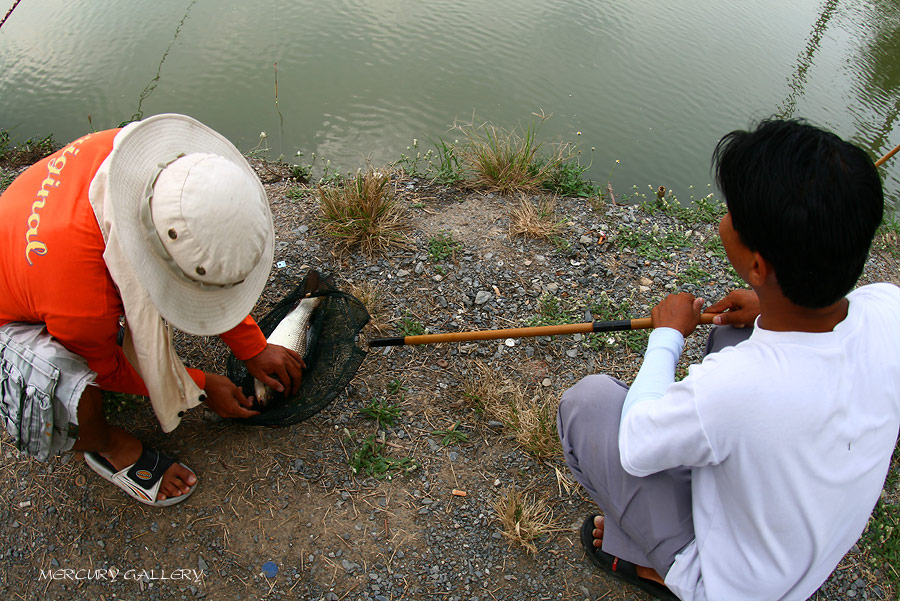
<point>41,383</point>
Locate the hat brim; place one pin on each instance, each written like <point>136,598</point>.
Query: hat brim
<point>137,153</point>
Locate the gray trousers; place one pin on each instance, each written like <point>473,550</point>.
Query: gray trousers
<point>648,520</point>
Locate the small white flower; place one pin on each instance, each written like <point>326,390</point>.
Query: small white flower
<point>262,135</point>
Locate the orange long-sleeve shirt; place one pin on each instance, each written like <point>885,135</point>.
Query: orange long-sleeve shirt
<point>52,269</point>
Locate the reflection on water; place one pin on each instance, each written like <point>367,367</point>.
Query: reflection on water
<point>151,85</point>
<point>797,81</point>
<point>653,84</point>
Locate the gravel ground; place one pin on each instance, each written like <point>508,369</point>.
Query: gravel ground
<point>288,495</point>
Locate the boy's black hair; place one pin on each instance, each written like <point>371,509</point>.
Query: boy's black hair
<point>804,199</point>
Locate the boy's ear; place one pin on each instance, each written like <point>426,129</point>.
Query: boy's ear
<point>760,271</point>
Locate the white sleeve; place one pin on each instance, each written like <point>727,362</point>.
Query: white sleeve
<point>660,426</point>
<point>658,369</point>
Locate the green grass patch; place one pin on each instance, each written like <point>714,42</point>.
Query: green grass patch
<point>449,168</point>
<point>881,539</point>
<point>382,412</point>
<point>655,245</point>
<point>441,164</point>
<point>117,403</point>
<point>370,459</point>
<point>566,178</point>
<point>706,209</point>
<point>395,387</point>
<point>888,236</point>
<point>451,435</point>
<point>713,245</point>
<point>553,311</point>
<point>297,192</point>
<point>13,155</point>
<point>410,327</point>
<point>694,274</point>
<point>442,247</point>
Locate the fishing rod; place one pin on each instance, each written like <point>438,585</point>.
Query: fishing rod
<point>9,12</point>
<point>641,323</point>
<point>881,161</point>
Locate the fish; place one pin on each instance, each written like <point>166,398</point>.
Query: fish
<point>292,332</point>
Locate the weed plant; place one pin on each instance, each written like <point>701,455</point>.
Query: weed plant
<point>442,247</point>
<point>449,169</point>
<point>706,209</point>
<point>693,274</point>
<point>888,237</point>
<point>370,459</point>
<point>714,248</point>
<point>13,156</point>
<point>442,164</point>
<point>656,246</point>
<point>451,435</point>
<point>553,311</point>
<point>410,327</point>
<point>117,403</point>
<point>6,178</point>
<point>566,178</point>
<point>396,386</point>
<point>363,210</point>
<point>382,412</point>
<point>881,540</point>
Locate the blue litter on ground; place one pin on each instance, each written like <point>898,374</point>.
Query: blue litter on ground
<point>270,569</point>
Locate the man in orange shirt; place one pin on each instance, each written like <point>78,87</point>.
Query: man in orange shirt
<point>104,246</point>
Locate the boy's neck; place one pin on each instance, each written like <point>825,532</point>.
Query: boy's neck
<point>781,315</point>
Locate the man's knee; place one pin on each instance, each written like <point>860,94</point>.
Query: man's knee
<point>594,395</point>
<point>592,407</point>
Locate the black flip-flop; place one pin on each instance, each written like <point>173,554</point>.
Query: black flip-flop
<point>612,565</point>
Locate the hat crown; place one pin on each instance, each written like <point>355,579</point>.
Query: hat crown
<point>208,213</point>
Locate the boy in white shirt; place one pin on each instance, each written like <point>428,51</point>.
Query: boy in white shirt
<point>753,476</point>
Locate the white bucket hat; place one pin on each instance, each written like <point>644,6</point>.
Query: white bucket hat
<point>193,221</point>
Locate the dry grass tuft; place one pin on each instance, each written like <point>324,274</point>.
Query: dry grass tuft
<point>369,294</point>
<point>504,161</point>
<point>538,220</point>
<point>529,416</point>
<point>364,210</point>
<point>524,518</point>
<point>564,483</point>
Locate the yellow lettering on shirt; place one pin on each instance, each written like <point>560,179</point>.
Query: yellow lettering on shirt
<point>55,167</point>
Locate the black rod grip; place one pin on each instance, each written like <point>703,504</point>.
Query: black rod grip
<point>396,341</point>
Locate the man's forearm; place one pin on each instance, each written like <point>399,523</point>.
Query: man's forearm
<point>658,369</point>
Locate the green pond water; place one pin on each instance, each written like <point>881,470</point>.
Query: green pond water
<point>652,84</point>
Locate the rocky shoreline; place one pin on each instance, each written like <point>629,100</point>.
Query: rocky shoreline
<point>289,496</point>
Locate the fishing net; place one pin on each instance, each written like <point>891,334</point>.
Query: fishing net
<point>332,356</point>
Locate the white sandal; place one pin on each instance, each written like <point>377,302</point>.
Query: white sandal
<point>142,479</point>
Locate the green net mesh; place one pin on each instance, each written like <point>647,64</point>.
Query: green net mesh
<point>332,357</point>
